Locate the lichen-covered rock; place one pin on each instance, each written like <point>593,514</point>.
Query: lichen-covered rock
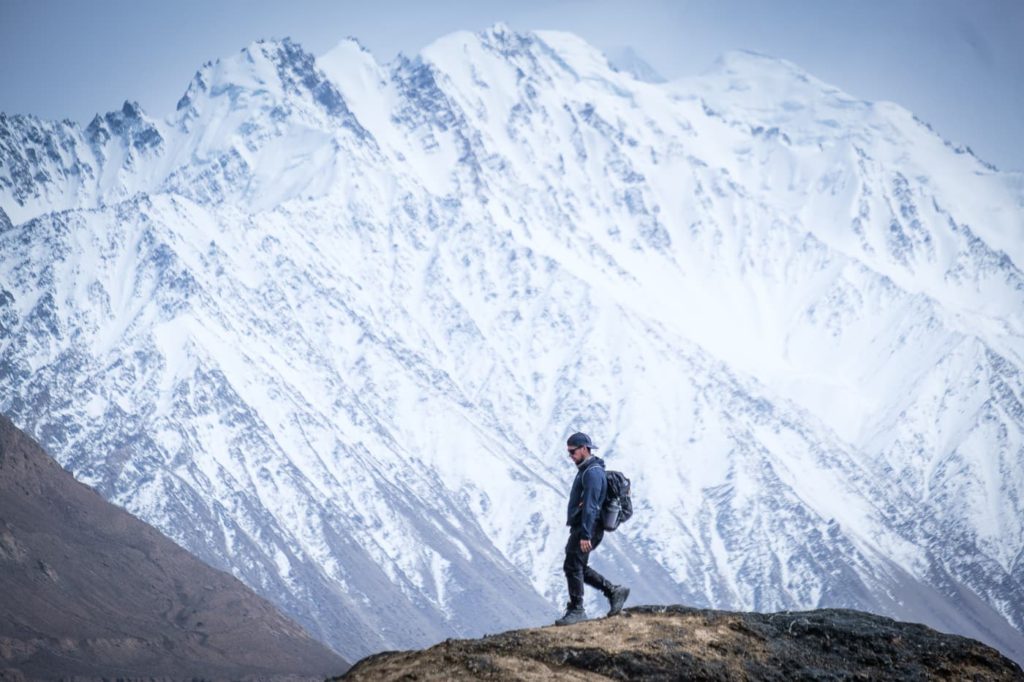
<point>676,642</point>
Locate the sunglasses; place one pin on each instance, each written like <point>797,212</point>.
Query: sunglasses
<point>572,451</point>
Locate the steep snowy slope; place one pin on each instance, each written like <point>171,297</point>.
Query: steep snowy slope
<point>331,333</point>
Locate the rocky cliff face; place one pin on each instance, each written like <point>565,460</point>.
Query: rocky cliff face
<point>90,592</point>
<point>680,643</point>
<point>329,325</point>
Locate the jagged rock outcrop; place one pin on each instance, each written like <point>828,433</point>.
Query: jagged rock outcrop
<point>677,642</point>
<point>89,591</point>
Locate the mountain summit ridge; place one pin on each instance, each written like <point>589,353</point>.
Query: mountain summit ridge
<point>337,353</point>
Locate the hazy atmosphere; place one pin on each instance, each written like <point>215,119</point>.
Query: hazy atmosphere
<point>956,64</point>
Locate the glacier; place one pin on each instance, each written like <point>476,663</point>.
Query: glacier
<point>328,324</point>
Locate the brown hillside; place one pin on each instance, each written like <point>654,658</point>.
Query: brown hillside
<point>89,591</point>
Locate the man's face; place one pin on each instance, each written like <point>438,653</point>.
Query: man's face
<point>578,454</point>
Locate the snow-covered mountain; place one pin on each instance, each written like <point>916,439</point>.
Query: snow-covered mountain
<point>329,324</point>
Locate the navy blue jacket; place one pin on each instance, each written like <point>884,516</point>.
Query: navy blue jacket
<point>586,497</point>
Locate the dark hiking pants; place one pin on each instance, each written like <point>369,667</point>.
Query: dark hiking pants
<point>577,572</point>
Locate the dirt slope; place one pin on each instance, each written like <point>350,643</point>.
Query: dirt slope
<point>89,591</point>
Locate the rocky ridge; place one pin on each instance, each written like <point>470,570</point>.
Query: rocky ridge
<point>677,642</point>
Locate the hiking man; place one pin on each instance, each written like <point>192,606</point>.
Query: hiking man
<point>585,531</point>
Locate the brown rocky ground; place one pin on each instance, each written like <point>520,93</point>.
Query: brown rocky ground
<point>680,643</point>
<point>88,591</point>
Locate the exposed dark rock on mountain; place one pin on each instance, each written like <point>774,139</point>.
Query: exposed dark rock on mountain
<point>89,591</point>
<point>676,642</point>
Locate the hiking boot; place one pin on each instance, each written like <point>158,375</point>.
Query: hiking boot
<point>573,615</point>
<point>617,597</point>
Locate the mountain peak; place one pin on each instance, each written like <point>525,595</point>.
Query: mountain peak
<point>132,109</point>
<point>268,70</point>
<point>768,71</point>
<point>347,54</point>
<point>130,123</point>
<point>354,43</point>
<point>257,66</point>
<point>627,59</point>
<point>501,30</point>
<point>499,37</point>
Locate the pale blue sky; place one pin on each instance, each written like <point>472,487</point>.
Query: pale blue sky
<point>958,64</point>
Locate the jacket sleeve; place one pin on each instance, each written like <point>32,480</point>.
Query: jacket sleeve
<point>594,484</point>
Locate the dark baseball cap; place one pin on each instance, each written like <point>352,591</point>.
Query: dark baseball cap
<point>580,439</point>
